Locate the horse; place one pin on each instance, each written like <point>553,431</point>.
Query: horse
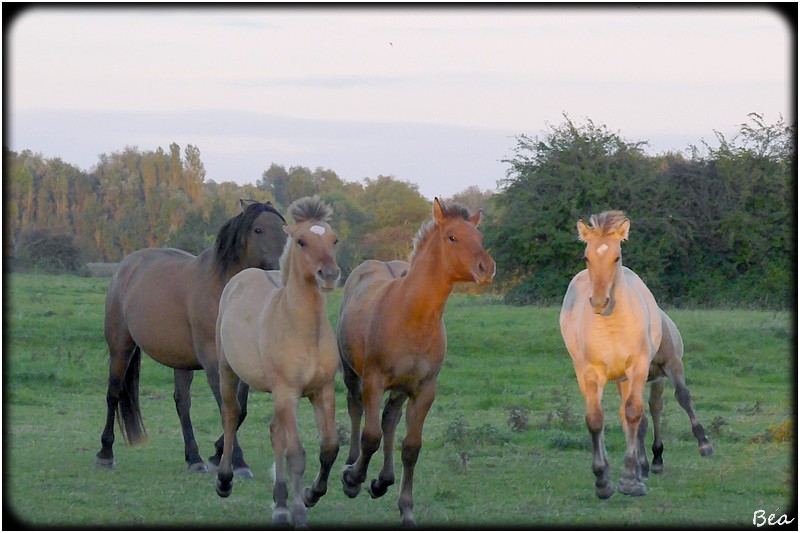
<point>615,331</point>
<point>273,333</point>
<point>392,338</point>
<point>164,301</point>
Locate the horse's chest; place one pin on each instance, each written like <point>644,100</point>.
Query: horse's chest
<point>615,345</point>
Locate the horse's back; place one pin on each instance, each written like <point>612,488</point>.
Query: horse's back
<point>148,299</point>
<point>365,292</point>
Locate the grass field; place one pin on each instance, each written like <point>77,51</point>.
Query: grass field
<point>505,444</point>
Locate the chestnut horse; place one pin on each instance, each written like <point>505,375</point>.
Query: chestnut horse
<point>164,301</point>
<point>615,331</point>
<point>392,338</point>
<point>273,333</point>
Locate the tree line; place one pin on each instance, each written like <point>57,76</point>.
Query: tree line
<point>714,227</point>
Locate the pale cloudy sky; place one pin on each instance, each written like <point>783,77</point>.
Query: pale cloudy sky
<point>430,96</point>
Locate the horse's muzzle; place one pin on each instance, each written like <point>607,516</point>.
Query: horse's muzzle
<point>483,273</point>
<point>328,278</point>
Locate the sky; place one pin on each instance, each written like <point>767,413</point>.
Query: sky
<point>430,96</point>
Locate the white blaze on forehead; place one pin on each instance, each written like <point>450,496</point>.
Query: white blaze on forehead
<point>319,230</point>
<point>602,248</point>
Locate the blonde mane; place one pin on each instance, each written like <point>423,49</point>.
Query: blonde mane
<point>451,210</point>
<point>303,210</point>
<point>606,222</point>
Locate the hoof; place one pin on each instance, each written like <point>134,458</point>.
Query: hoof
<point>243,472</point>
<point>658,468</point>
<point>222,490</point>
<point>604,492</point>
<point>281,516</point>
<point>632,488</point>
<point>408,523</point>
<point>198,467</point>
<point>706,450</point>
<point>310,498</point>
<point>376,490</point>
<point>350,489</point>
<point>105,464</point>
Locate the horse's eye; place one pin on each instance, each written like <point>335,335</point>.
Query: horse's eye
<point>336,242</point>
<point>301,242</point>
<point>452,238</point>
<point>616,260</point>
<point>258,230</point>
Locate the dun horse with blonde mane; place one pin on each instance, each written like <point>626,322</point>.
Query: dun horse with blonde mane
<point>615,331</point>
<point>273,333</point>
<point>392,338</point>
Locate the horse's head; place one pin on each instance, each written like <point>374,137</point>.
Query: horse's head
<point>464,258</point>
<point>603,238</point>
<point>311,248</point>
<point>262,227</point>
<point>253,238</point>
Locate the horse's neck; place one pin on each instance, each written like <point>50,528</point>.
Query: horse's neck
<point>427,287</point>
<point>301,297</point>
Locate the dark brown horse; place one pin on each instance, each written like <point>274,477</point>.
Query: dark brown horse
<point>165,302</point>
<point>392,338</point>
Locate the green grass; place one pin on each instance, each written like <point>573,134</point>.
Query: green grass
<point>475,469</point>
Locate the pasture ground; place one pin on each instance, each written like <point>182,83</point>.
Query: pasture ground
<point>505,445</point>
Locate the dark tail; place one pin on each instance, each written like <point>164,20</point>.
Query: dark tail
<point>129,415</point>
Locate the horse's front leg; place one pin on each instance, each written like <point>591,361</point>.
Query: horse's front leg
<point>183,404</point>
<point>230,414</point>
<point>591,384</point>
<point>631,412</point>
<point>355,474</point>
<point>325,414</point>
<point>284,436</point>
<point>240,467</point>
<point>392,411</point>
<point>417,410</point>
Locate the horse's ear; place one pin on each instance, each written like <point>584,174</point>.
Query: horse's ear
<point>583,231</point>
<point>622,230</point>
<point>286,229</point>
<point>476,218</point>
<point>438,212</point>
<point>246,203</point>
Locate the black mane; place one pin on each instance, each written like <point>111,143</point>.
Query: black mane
<point>232,236</point>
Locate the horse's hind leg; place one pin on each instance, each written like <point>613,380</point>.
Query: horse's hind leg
<point>392,411</point>
<point>122,350</point>
<point>355,409</point>
<point>656,403</point>
<point>325,414</point>
<point>183,404</point>
<point>675,373</point>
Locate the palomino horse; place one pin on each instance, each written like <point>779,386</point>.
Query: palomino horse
<point>392,338</point>
<point>614,330</point>
<point>164,301</point>
<point>273,333</point>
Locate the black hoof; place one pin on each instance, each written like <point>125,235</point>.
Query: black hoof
<point>105,464</point>
<point>376,490</point>
<point>604,492</point>
<point>199,468</point>
<point>243,472</point>
<point>223,489</point>
<point>310,498</point>
<point>706,450</point>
